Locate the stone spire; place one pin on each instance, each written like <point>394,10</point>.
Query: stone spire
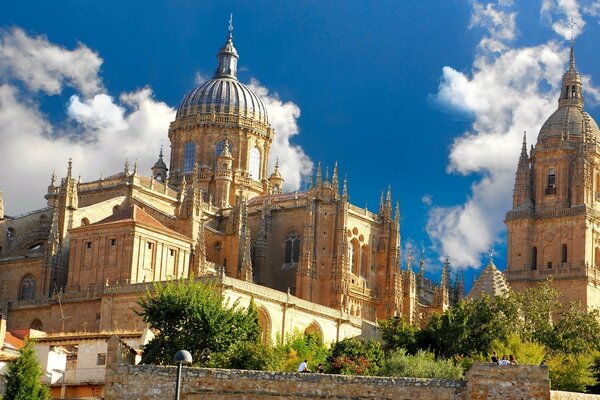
<point>491,282</point>
<point>1,207</point>
<point>422,264</point>
<point>275,180</point>
<point>159,170</point>
<point>335,185</point>
<point>571,93</point>
<point>246,267</point>
<point>227,57</point>
<point>522,190</point>
<point>319,178</point>
<point>345,190</point>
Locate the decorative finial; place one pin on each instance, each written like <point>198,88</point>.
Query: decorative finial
<point>491,252</point>
<point>572,32</point>
<point>69,167</point>
<point>161,149</point>
<point>231,25</point>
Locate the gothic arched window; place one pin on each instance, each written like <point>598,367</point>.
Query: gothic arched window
<point>292,248</point>
<point>189,156</point>
<point>27,291</point>
<point>254,166</point>
<point>534,258</point>
<point>36,324</point>
<point>354,257</point>
<point>364,261</point>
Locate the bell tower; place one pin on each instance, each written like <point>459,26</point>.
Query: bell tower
<point>554,225</point>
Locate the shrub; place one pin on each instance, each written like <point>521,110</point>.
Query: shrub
<point>525,352</point>
<point>421,365</point>
<point>570,372</point>
<point>356,356</point>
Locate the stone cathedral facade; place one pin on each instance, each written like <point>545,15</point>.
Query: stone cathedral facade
<point>554,225</point>
<point>215,212</point>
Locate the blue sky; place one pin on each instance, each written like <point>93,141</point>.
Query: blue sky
<point>430,97</point>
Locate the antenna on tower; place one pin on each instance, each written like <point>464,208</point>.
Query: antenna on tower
<point>230,24</point>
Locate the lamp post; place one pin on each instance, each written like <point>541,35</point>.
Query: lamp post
<point>181,357</point>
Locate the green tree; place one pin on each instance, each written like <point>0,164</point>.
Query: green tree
<point>191,315</point>
<point>398,334</point>
<point>576,331</point>
<point>571,372</point>
<point>470,327</point>
<point>356,356</point>
<point>23,377</point>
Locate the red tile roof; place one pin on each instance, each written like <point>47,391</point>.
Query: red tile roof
<point>13,341</point>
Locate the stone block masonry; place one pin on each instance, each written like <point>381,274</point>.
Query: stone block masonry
<point>148,382</point>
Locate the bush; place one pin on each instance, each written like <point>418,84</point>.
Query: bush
<point>250,355</point>
<point>571,373</point>
<point>421,365</point>
<point>525,352</point>
<point>356,356</point>
<point>299,347</point>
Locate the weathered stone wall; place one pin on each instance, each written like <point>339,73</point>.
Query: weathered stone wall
<point>483,381</point>
<point>491,381</point>
<point>556,395</point>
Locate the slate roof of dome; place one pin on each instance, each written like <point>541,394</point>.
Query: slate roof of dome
<point>224,94</point>
<point>491,282</point>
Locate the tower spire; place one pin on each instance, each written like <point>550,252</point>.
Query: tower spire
<point>228,56</point>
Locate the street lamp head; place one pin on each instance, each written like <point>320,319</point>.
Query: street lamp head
<point>183,357</point>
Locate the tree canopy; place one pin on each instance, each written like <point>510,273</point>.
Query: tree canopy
<point>191,315</point>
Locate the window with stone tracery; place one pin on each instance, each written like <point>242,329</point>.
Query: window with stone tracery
<point>189,156</point>
<point>254,166</point>
<point>292,248</point>
<point>27,291</point>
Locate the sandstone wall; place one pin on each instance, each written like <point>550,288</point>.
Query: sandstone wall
<point>148,382</point>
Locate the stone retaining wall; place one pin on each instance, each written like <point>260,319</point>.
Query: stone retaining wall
<point>148,382</point>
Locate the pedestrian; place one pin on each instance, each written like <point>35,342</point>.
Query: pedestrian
<point>494,358</point>
<point>320,369</point>
<point>504,360</point>
<point>303,367</point>
<point>512,360</point>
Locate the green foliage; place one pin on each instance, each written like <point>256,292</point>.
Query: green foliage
<point>571,372</point>
<point>249,355</point>
<point>470,327</point>
<point>526,352</point>
<point>595,388</point>
<point>398,334</point>
<point>23,377</point>
<point>421,365</point>
<point>299,347</point>
<point>537,306</point>
<point>191,315</point>
<point>576,331</point>
<point>356,356</point>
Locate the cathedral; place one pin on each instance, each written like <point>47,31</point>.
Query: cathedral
<point>554,225</point>
<point>216,212</point>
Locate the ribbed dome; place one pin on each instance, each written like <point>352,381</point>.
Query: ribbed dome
<point>224,94</point>
<point>568,121</point>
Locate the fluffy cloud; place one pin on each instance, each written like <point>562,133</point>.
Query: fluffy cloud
<point>43,66</point>
<point>99,131</point>
<point>564,16</point>
<point>294,164</point>
<point>509,90</point>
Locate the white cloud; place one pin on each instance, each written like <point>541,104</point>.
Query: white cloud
<point>294,164</point>
<point>427,199</point>
<point>509,90</point>
<point>44,66</point>
<point>101,131</point>
<point>560,13</point>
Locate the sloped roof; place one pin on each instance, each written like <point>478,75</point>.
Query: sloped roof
<point>13,341</point>
<point>276,198</point>
<point>135,214</point>
<point>491,282</point>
